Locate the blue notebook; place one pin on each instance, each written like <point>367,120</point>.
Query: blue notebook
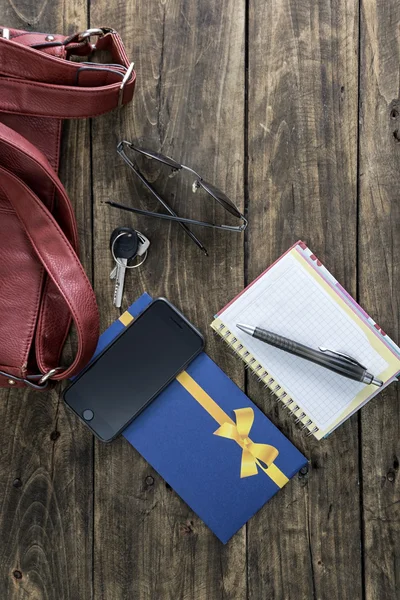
<point>209,442</point>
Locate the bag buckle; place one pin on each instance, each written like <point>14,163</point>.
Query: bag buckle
<point>49,374</point>
<point>84,35</point>
<point>5,33</point>
<point>124,81</point>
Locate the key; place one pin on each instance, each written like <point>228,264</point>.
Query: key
<point>114,234</point>
<point>144,243</point>
<point>119,283</point>
<point>124,246</point>
<point>124,242</point>
<point>143,246</point>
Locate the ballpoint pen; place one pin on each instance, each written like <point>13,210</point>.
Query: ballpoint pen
<point>335,361</point>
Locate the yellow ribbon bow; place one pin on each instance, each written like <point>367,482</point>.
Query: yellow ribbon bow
<point>253,455</point>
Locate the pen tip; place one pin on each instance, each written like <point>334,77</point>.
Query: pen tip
<point>246,328</point>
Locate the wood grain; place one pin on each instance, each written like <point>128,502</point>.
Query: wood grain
<point>379,284</point>
<point>46,483</point>
<point>82,520</point>
<point>302,185</point>
<point>189,103</point>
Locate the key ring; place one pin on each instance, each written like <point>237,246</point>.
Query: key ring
<point>117,260</point>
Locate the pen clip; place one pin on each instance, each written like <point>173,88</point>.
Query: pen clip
<point>342,355</point>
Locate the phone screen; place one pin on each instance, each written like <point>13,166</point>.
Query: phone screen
<point>130,373</point>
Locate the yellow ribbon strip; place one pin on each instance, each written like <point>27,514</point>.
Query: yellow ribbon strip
<point>126,318</point>
<point>253,455</point>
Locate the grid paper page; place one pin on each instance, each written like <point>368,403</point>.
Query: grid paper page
<point>287,300</point>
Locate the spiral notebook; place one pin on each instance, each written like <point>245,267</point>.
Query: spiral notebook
<point>297,297</point>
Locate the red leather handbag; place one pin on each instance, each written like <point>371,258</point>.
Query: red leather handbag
<point>42,283</point>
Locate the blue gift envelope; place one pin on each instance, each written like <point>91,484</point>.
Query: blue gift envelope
<point>211,444</point>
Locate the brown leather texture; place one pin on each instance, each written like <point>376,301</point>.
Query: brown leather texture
<point>43,287</point>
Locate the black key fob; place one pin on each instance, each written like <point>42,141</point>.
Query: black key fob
<point>124,242</point>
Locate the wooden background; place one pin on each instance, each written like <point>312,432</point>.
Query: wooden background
<point>292,107</point>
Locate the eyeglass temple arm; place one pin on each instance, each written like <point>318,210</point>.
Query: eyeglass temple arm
<point>150,188</point>
<point>177,219</point>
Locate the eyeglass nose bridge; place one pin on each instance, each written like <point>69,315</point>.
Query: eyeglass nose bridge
<point>195,186</point>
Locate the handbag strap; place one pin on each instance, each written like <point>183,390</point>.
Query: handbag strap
<point>60,262</point>
<point>36,80</point>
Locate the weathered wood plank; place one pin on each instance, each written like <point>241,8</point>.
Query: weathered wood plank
<point>45,454</point>
<point>189,104</point>
<point>302,184</point>
<point>379,286</point>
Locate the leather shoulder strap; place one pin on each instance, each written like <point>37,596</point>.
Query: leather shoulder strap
<point>61,263</point>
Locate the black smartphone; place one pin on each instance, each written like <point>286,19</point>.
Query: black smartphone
<point>134,369</point>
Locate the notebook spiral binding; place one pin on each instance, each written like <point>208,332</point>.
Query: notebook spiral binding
<point>264,376</point>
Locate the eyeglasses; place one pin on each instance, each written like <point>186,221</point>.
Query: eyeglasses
<point>199,182</point>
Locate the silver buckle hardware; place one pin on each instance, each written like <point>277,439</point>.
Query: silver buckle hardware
<point>5,33</point>
<point>124,81</point>
<point>84,35</point>
<point>49,374</point>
